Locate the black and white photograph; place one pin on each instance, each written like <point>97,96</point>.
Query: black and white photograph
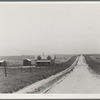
<point>49,48</point>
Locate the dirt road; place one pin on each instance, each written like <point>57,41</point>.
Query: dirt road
<point>79,81</point>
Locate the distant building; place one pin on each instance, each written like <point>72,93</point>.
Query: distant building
<point>26,62</point>
<point>44,61</point>
<point>3,63</point>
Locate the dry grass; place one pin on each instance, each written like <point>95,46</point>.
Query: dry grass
<point>93,64</point>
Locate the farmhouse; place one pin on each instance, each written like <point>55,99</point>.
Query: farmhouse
<point>2,62</point>
<point>26,62</point>
<point>44,61</point>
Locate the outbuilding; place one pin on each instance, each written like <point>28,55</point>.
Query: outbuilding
<point>26,62</point>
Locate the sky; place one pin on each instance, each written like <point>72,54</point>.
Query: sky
<point>52,28</point>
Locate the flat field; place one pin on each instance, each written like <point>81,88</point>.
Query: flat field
<point>18,78</point>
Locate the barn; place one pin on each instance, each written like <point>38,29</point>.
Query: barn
<point>26,62</point>
<point>2,62</point>
<point>44,61</point>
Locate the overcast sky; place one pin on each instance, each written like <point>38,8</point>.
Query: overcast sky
<point>52,28</point>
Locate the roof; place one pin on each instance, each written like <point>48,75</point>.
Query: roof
<point>43,60</point>
<point>2,61</point>
<point>27,59</point>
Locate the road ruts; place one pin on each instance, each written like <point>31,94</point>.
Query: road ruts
<point>79,81</point>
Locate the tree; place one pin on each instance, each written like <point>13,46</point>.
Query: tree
<point>49,58</point>
<point>39,58</point>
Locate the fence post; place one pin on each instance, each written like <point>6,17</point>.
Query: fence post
<point>5,71</point>
<point>30,69</point>
<point>21,69</point>
<point>4,64</point>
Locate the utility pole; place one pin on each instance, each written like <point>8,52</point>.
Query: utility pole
<point>4,64</point>
<point>43,53</point>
